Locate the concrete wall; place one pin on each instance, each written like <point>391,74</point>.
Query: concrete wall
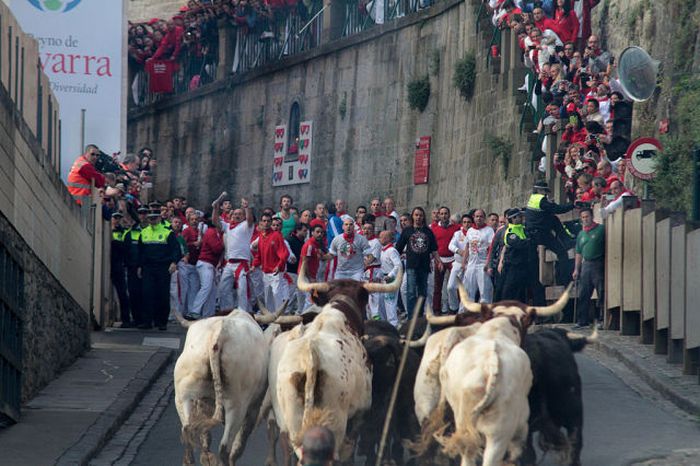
<point>221,136</point>
<point>39,220</point>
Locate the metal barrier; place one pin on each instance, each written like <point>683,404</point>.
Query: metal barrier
<point>11,306</point>
<point>361,15</point>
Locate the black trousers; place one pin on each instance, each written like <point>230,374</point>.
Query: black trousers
<point>497,286</point>
<point>118,274</point>
<point>556,243</point>
<point>517,280</point>
<point>592,278</point>
<point>135,287</point>
<point>156,293</point>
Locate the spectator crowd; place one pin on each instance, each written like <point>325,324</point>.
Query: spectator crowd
<point>172,257</point>
<point>572,85</point>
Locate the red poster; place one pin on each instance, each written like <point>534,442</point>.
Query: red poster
<point>160,73</point>
<point>421,164</point>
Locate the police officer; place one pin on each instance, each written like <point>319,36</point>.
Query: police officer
<point>158,256</point>
<point>133,281</point>
<point>117,270</point>
<point>544,228</point>
<point>518,262</point>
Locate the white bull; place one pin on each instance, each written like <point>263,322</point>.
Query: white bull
<point>323,377</point>
<point>486,379</point>
<point>224,360</point>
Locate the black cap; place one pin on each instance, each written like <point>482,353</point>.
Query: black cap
<point>541,185</point>
<point>142,210</point>
<point>153,213</point>
<point>155,205</point>
<point>117,214</point>
<point>514,212</point>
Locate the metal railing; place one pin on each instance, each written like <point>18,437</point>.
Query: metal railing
<point>11,306</point>
<point>361,15</point>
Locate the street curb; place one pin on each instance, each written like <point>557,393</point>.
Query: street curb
<point>665,389</point>
<point>104,427</point>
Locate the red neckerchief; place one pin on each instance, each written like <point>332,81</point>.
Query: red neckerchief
<point>464,232</point>
<point>590,227</point>
<point>474,226</point>
<point>370,238</point>
<point>349,238</point>
<point>387,246</point>
<point>233,225</point>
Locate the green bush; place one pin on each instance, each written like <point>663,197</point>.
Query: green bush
<point>419,93</point>
<point>501,149</point>
<point>464,78</point>
<point>673,183</point>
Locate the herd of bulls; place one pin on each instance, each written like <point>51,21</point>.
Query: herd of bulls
<point>476,385</point>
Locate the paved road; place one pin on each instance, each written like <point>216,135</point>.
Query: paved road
<point>621,427</point>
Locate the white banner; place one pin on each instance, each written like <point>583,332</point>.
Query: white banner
<point>292,159</point>
<point>81,45</point>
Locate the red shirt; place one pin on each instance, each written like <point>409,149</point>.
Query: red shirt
<point>311,253</point>
<point>546,23</point>
<point>272,252</point>
<point>443,235</point>
<point>212,246</point>
<point>191,235</point>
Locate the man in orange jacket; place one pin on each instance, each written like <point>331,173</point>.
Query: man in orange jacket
<point>83,173</point>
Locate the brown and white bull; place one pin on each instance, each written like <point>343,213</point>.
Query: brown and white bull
<point>221,377</point>
<point>324,376</point>
<point>481,373</point>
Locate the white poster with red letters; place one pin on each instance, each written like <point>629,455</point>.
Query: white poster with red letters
<point>292,162</point>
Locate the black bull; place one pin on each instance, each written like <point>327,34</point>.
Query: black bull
<point>384,350</point>
<point>555,397</point>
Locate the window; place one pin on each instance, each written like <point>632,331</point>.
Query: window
<point>293,133</point>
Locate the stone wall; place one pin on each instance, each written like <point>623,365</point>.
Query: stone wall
<point>221,136</point>
<point>42,224</point>
<point>143,10</point>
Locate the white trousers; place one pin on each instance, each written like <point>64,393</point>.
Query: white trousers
<point>276,290</point>
<point>456,277</point>
<point>296,298</point>
<point>205,300</point>
<point>230,286</point>
<point>475,278</point>
<point>189,285</point>
<point>391,300</point>
<point>375,303</point>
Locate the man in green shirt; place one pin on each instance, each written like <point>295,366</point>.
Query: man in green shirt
<point>590,265</point>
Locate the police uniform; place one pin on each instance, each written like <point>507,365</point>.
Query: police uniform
<point>544,228</point>
<point>158,248</point>
<point>118,272</point>
<point>133,281</point>
<point>520,265</point>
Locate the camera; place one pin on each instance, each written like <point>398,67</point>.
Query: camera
<point>106,164</point>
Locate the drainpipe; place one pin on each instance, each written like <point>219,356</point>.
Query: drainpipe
<point>696,184</point>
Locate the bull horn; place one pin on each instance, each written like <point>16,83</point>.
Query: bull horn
<point>307,287</point>
<point>269,317</point>
<point>435,320</point>
<point>421,342</point>
<point>464,299</point>
<point>288,320</point>
<point>556,308</point>
<point>593,338</point>
<point>263,309</point>
<point>385,287</point>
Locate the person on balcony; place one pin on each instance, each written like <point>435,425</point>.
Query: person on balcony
<point>83,173</point>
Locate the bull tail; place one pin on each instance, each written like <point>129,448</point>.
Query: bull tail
<point>215,344</point>
<point>183,322</point>
<point>491,365</point>
<point>312,415</point>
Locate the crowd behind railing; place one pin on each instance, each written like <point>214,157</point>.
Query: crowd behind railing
<point>180,54</point>
<point>571,88</point>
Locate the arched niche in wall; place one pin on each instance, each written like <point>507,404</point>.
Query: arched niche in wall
<point>293,132</point>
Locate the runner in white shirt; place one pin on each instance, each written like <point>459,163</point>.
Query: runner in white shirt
<point>351,251</point>
<point>391,265</point>
<point>373,272</point>
<point>479,238</point>
<point>237,235</point>
<point>458,245</point>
